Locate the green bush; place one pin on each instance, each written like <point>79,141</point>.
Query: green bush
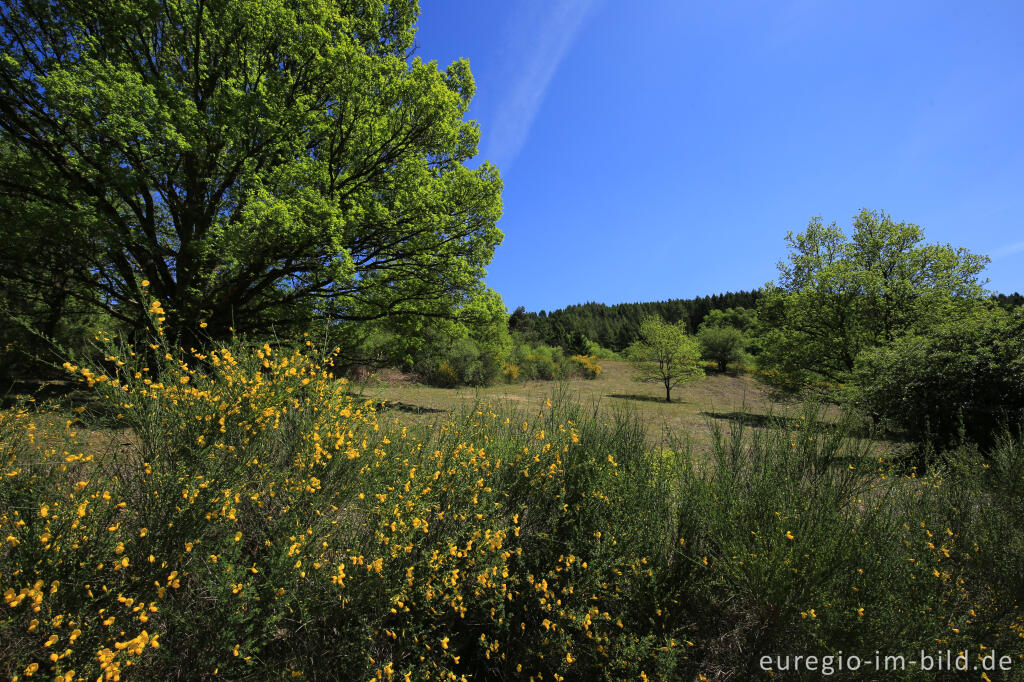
<point>259,516</point>
<point>795,538</point>
<point>442,374</point>
<point>594,349</point>
<point>961,379</point>
<point>510,372</point>
<point>462,363</point>
<point>721,345</point>
<point>541,362</point>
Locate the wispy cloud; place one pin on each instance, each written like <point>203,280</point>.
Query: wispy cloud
<point>1007,250</point>
<point>544,37</point>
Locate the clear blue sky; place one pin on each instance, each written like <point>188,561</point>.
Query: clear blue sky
<point>659,149</point>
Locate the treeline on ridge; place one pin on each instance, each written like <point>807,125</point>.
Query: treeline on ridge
<point>616,326</point>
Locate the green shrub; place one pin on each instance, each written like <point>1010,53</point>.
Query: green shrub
<point>963,378</point>
<point>464,357</point>
<point>442,374</point>
<point>721,345</point>
<point>463,362</point>
<point>258,516</point>
<point>795,539</point>
<point>601,353</point>
<point>510,372</point>
<point>542,362</point>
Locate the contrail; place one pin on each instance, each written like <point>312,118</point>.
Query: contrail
<point>551,38</point>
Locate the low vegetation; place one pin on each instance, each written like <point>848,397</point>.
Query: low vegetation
<point>492,544</point>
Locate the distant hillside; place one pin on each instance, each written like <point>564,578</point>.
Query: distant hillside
<point>616,326</point>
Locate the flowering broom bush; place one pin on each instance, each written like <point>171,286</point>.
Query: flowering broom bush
<point>586,366</point>
<point>259,519</point>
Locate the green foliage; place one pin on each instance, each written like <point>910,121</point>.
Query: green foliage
<point>600,352</point>
<point>253,483</point>
<point>540,362</point>
<point>963,377</point>
<point>258,165</point>
<point>41,302</point>
<point>576,343</point>
<point>988,498</point>
<point>837,296</point>
<point>773,532</point>
<point>462,363</point>
<point>665,353</point>
<point>722,345</point>
<point>37,330</point>
<point>470,348</point>
<point>510,372</point>
<point>742,319</point>
<point>793,538</point>
<point>1009,301</point>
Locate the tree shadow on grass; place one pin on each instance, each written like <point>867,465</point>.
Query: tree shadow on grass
<point>407,407</point>
<point>755,420</point>
<point>778,421</point>
<point>645,398</point>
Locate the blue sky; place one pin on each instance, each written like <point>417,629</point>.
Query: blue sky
<point>659,149</point>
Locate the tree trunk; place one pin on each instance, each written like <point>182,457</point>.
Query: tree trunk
<point>668,392</point>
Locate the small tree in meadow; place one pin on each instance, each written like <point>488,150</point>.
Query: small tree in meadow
<point>665,352</point>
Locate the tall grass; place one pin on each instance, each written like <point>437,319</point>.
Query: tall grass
<point>261,523</point>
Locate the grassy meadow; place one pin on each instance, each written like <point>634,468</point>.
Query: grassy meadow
<point>697,408</point>
<point>249,516</point>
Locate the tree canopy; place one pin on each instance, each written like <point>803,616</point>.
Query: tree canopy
<point>258,164</point>
<point>837,296</point>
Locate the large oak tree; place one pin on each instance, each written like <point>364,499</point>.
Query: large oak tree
<point>259,163</point>
<point>837,296</point>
